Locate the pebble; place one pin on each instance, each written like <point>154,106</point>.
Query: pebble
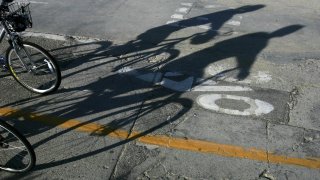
<point>308,139</point>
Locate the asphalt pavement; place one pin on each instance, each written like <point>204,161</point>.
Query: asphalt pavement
<point>173,90</point>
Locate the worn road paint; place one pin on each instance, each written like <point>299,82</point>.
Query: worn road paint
<point>166,141</point>
<point>211,6</point>
<point>256,77</point>
<point>206,27</point>
<point>188,84</point>
<point>263,77</point>
<point>177,16</point>
<point>47,36</point>
<point>234,23</point>
<point>257,107</point>
<point>183,10</point>
<point>180,86</point>
<point>174,23</point>
<point>187,4</point>
<point>207,101</point>
<point>36,2</point>
<point>204,88</point>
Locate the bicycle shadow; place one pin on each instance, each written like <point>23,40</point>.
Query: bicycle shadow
<point>135,98</point>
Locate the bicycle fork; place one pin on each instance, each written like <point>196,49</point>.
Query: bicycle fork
<point>17,45</point>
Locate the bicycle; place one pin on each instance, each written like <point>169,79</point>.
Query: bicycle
<point>16,153</point>
<point>31,65</point>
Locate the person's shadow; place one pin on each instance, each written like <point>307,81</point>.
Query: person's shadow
<point>244,48</point>
<point>158,36</point>
<point>157,40</point>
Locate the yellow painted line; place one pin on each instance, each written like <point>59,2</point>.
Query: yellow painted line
<point>165,141</point>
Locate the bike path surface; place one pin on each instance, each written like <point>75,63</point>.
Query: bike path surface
<point>175,109</point>
<point>132,122</point>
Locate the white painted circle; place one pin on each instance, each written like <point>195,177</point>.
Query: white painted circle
<point>257,107</point>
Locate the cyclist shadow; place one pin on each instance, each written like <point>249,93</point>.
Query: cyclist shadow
<point>157,40</point>
<point>244,49</point>
<point>106,98</point>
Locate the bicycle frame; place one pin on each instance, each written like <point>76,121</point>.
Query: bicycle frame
<point>4,30</point>
<point>14,41</point>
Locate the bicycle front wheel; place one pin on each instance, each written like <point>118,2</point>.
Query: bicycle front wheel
<point>34,68</point>
<point>16,153</point>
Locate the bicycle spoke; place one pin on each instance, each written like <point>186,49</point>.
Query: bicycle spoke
<point>16,154</point>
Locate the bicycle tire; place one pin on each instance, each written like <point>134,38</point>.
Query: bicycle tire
<point>35,78</point>
<point>11,161</point>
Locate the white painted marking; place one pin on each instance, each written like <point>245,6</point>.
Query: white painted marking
<point>263,107</point>
<point>148,77</point>
<point>173,23</point>
<point>232,79</point>
<point>36,2</point>
<point>128,70</point>
<point>263,77</point>
<point>177,16</point>
<point>187,4</point>
<point>255,77</point>
<point>206,82</point>
<point>180,86</point>
<point>206,27</point>
<point>157,78</point>
<point>48,36</point>
<point>207,101</point>
<point>183,10</point>
<point>257,107</point>
<point>220,88</point>
<point>234,23</point>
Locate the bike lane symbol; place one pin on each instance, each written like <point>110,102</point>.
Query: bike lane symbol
<point>181,83</point>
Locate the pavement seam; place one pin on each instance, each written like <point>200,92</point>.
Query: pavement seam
<point>267,144</point>
<point>113,174</point>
